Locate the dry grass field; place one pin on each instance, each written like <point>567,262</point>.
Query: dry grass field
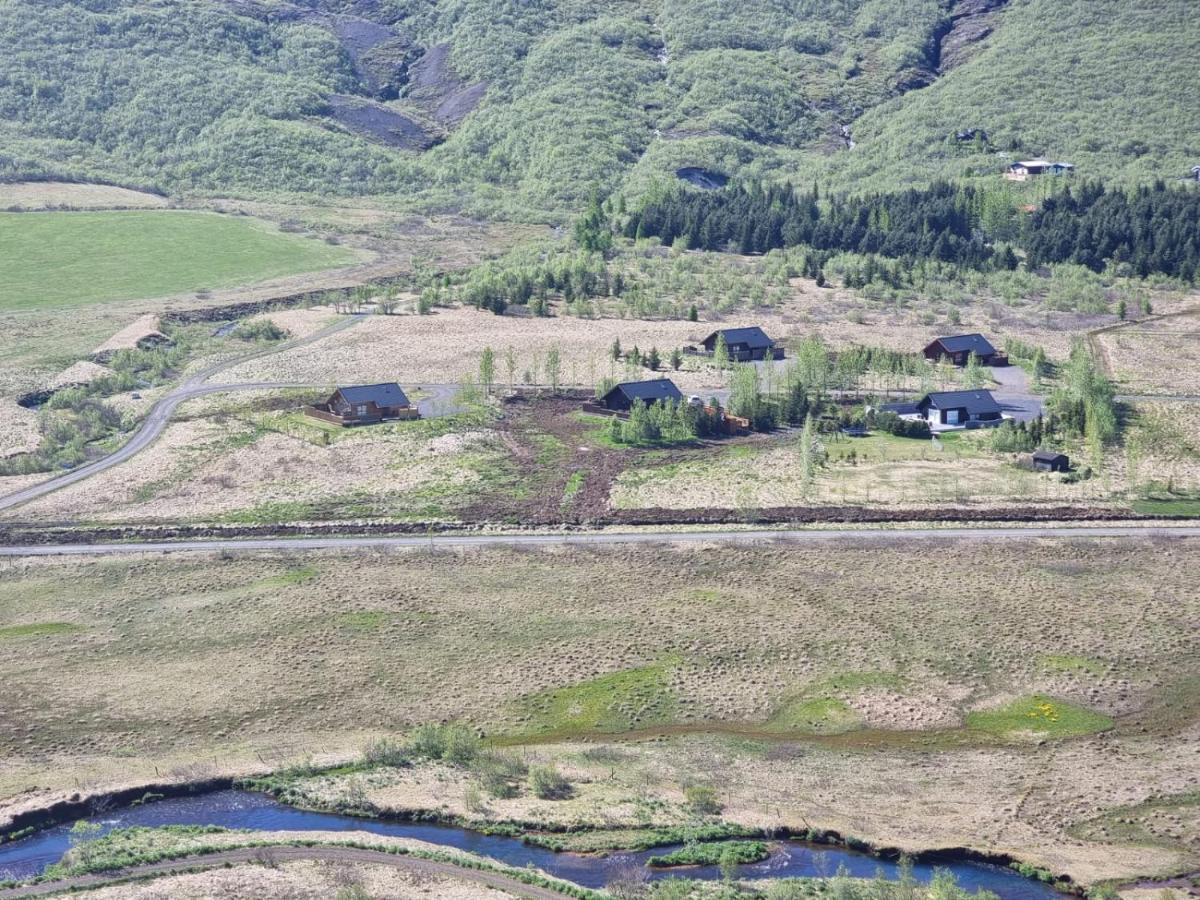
<point>300,880</point>
<point>36,195</point>
<point>1157,357</point>
<point>253,457</point>
<point>879,470</point>
<point>18,428</point>
<point>445,347</point>
<point>235,459</point>
<point>1006,702</point>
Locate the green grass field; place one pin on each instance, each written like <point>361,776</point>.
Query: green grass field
<point>59,259</point>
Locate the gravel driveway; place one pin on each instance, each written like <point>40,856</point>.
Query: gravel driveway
<point>1014,393</point>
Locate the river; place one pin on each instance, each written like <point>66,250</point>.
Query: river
<point>29,856</point>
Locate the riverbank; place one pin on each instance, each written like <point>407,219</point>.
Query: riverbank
<point>142,853</point>
<point>341,792</point>
<point>211,823</point>
<point>831,686</point>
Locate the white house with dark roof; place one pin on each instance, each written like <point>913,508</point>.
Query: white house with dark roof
<point>1024,169</point>
<point>952,410</point>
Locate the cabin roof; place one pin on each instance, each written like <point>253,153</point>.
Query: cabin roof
<point>1048,455</point>
<point>976,403</point>
<point>386,394</point>
<point>754,337</point>
<point>965,343</point>
<point>648,391</point>
<point>1041,164</point>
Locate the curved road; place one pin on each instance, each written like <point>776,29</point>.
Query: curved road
<point>209,545</point>
<point>440,402</point>
<point>251,855</point>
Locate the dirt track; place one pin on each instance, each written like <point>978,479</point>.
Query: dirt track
<point>287,854</point>
<point>160,414</point>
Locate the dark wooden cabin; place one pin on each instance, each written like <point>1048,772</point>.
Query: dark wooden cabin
<point>744,344</point>
<point>957,349</point>
<point>622,397</point>
<point>364,404</point>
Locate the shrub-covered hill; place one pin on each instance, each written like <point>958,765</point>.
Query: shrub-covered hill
<point>522,107</point>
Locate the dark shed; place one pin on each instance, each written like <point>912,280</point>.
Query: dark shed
<point>1049,461</point>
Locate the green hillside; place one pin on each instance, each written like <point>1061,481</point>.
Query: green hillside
<point>1102,83</point>
<point>520,109</point>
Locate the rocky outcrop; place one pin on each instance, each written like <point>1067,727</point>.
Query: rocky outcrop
<point>388,66</point>
<point>955,41</point>
<point>381,123</point>
<point>971,21</point>
<point>435,86</point>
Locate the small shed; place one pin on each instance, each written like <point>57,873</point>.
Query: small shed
<point>364,404</point>
<point>957,349</point>
<point>1049,461</point>
<point>659,390</point>
<point>744,344</point>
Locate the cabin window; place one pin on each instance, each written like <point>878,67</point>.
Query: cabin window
<point>361,409</point>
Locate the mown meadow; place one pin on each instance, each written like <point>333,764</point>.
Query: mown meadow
<point>60,259</point>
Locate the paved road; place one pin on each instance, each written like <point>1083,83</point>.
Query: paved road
<point>438,402</point>
<point>211,545</point>
<point>251,855</point>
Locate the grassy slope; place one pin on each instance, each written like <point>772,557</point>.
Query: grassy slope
<point>60,259</point>
<point>616,94</point>
<point>1106,84</point>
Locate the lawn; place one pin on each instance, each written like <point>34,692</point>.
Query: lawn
<point>59,259</point>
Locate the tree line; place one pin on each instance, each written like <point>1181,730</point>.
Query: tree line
<point>1150,230</point>
<point>1154,229</point>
